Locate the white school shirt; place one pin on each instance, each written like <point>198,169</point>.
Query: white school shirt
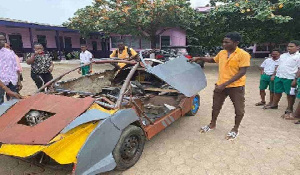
<point>288,65</point>
<point>85,57</point>
<point>269,66</point>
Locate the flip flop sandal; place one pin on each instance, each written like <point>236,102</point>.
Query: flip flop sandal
<point>290,117</point>
<point>270,107</point>
<point>286,114</point>
<point>297,123</point>
<point>205,129</point>
<point>260,103</point>
<point>231,135</point>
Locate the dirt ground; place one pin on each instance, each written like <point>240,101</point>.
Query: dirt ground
<point>266,143</point>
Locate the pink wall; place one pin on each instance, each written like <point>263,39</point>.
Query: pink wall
<point>24,32</point>
<point>50,37</point>
<point>177,37</point>
<point>75,38</point>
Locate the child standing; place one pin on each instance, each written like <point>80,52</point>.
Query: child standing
<point>85,58</point>
<point>266,80</point>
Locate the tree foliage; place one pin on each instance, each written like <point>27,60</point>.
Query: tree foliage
<point>259,21</point>
<point>134,17</point>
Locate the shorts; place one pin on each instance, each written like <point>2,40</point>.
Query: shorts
<point>265,82</point>
<point>298,88</point>
<point>85,70</point>
<point>282,85</point>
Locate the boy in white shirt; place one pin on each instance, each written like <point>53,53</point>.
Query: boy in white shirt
<point>85,58</point>
<point>285,76</point>
<point>267,70</point>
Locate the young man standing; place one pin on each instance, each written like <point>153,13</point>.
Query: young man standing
<point>285,76</point>
<point>267,70</point>
<point>85,58</point>
<point>233,63</point>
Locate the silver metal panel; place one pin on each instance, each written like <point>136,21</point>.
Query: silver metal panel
<point>106,164</point>
<point>96,154</point>
<point>90,115</point>
<point>5,106</point>
<point>187,78</point>
<point>98,146</point>
<point>123,118</point>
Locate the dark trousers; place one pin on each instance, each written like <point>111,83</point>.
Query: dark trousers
<point>237,96</point>
<point>41,79</point>
<point>2,92</point>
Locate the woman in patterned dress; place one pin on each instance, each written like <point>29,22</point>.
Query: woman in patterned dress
<point>41,66</point>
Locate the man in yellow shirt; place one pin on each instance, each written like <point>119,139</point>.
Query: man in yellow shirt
<point>124,52</point>
<point>233,63</point>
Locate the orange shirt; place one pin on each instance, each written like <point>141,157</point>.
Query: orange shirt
<point>228,67</point>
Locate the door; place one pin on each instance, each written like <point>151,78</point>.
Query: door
<point>94,44</point>
<point>42,40</point>
<point>68,43</point>
<point>61,43</point>
<point>16,42</point>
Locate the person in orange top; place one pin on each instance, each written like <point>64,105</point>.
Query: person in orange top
<point>233,63</point>
<point>124,52</point>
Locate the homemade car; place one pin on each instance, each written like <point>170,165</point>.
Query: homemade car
<point>101,121</point>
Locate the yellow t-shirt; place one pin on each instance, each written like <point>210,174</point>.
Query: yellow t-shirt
<point>228,67</point>
<point>123,55</point>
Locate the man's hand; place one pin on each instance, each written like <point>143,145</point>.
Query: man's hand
<point>79,71</point>
<point>220,88</point>
<point>294,83</point>
<point>272,77</point>
<point>194,59</point>
<point>19,86</point>
<point>13,94</point>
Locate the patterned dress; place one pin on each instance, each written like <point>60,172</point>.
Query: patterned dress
<point>41,64</point>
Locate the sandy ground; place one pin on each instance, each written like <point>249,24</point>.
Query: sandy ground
<point>266,143</point>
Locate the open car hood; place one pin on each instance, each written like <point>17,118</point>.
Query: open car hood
<point>187,78</point>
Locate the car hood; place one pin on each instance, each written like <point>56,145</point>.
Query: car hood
<point>64,110</point>
<point>187,78</point>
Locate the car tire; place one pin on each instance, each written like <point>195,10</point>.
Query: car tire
<point>195,107</point>
<point>129,147</point>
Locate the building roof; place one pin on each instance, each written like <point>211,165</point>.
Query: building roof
<point>204,9</point>
<point>26,24</point>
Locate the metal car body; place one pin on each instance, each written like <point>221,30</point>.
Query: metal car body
<point>81,121</point>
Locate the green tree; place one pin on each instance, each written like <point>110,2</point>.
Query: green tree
<point>259,21</point>
<point>134,17</point>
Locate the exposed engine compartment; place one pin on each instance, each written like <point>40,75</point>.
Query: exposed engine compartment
<point>153,96</point>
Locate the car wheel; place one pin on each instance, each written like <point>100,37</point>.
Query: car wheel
<point>129,147</point>
<point>195,107</point>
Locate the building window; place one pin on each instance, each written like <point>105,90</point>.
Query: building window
<point>42,40</point>
<point>68,43</point>
<point>135,43</point>
<point>165,41</point>
<point>145,43</point>
<point>82,41</point>
<point>16,42</point>
<point>114,41</point>
<point>127,40</point>
<point>95,45</point>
